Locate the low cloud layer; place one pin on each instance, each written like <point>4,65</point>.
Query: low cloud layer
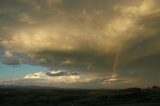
<point>58,77</point>
<point>69,80</point>
<point>120,38</point>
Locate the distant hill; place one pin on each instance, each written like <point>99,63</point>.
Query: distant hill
<point>27,87</point>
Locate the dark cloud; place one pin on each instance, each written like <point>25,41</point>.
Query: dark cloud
<point>9,58</point>
<point>61,73</point>
<point>100,37</point>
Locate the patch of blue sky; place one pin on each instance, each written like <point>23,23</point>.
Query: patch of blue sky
<point>18,71</point>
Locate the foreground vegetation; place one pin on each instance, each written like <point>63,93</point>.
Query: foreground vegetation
<point>35,96</point>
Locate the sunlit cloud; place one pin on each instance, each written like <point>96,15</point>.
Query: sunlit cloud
<point>59,77</point>
<point>101,40</point>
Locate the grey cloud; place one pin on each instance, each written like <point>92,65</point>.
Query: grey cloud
<point>9,58</point>
<point>86,36</point>
<point>61,73</point>
<point>147,45</point>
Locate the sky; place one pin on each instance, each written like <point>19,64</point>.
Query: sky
<point>80,43</point>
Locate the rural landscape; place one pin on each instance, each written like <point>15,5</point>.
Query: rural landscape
<point>79,52</point>
<point>43,96</point>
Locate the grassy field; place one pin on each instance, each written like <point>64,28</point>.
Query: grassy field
<point>78,97</point>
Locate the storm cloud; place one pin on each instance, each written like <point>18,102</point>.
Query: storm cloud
<point>113,40</point>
